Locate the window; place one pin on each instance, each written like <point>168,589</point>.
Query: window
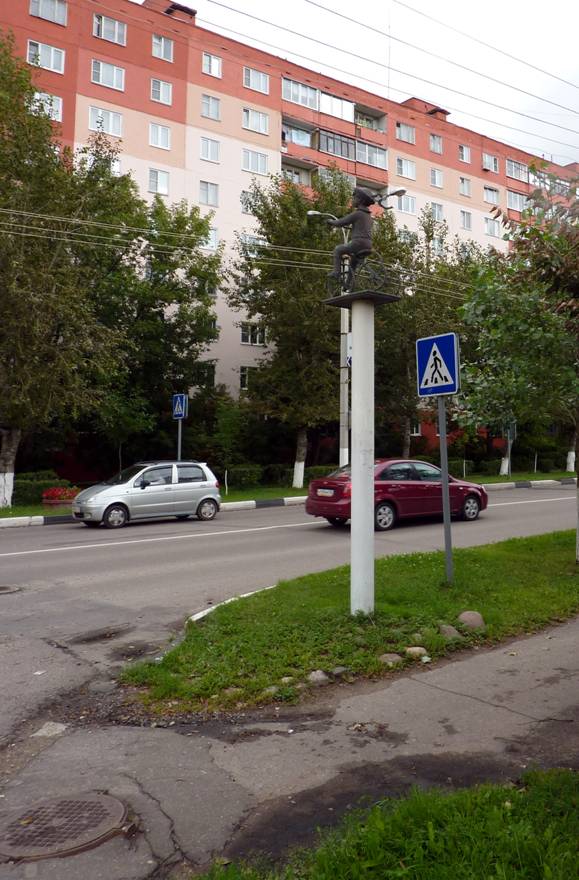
<point>406,168</point>
<point>491,195</point>
<point>252,243</point>
<point>333,106</point>
<point>209,149</point>
<point>252,334</point>
<point>427,472</point>
<point>517,170</point>
<point>255,121</point>
<point>490,163</point>
<point>437,246</point>
<point>337,145</point>
<point>212,240</point>
<point>244,199</point>
<point>208,193</point>
<point>51,10</point>
<point>162,47</point>
<point>190,473</point>
<point>435,177</point>
<point>298,93</point>
<point>415,429</point>
<point>159,181</point>
<point>435,143</point>
<point>244,377</point>
<point>558,186</point>
<point>516,201</point>
<point>405,133</point>
<point>110,29</point>
<point>49,104</point>
<point>464,186</point>
<point>211,65</point>
<point>299,176</point>
<point>210,107</point>
<point>492,227</point>
<point>108,75</point>
<point>256,80</point>
<point>407,204</point>
<point>159,136</point>
<point>370,155</point>
<point>466,220</point>
<point>254,162</point>
<point>161,91</point>
<point>464,153</point>
<point>296,135</point>
<point>376,123</point>
<point>105,120</point>
<point>48,57</point>
<point>437,211</point>
<point>157,476</point>
<point>397,472</point>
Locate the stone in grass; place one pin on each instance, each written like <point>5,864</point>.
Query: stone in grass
<point>390,659</point>
<point>416,651</point>
<point>449,632</point>
<point>318,678</point>
<point>287,679</point>
<point>472,620</point>
<point>338,671</point>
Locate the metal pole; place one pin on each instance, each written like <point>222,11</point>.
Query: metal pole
<point>179,423</point>
<point>362,530</point>
<point>445,490</point>
<point>344,388</point>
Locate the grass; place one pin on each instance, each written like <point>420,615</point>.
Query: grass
<point>231,656</point>
<point>528,475</point>
<point>491,832</point>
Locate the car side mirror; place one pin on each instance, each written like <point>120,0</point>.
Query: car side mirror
<point>144,483</point>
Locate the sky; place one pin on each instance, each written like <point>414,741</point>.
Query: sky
<point>544,35</point>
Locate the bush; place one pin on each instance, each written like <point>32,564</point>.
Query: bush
<point>35,476</point>
<point>30,491</point>
<point>490,467</point>
<point>458,466</point>
<point>244,476</point>
<point>277,475</point>
<point>318,471</point>
<point>429,459</point>
<point>546,464</point>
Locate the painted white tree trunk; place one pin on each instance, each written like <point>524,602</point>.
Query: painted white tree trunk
<point>570,466</point>
<point>9,442</point>
<point>299,464</point>
<point>504,471</point>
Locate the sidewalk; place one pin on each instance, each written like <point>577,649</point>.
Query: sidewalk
<point>263,781</point>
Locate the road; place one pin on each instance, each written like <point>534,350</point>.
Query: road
<point>91,599</point>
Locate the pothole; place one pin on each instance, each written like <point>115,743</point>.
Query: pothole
<point>60,827</point>
<point>101,635</point>
<point>9,588</point>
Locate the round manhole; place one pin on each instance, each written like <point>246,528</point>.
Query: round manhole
<point>60,827</point>
<point>9,589</point>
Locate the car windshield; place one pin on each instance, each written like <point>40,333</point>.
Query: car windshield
<point>124,476</point>
<point>343,471</point>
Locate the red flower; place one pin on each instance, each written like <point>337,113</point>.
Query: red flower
<point>60,493</point>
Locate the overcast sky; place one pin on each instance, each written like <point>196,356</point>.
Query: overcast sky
<point>545,35</point>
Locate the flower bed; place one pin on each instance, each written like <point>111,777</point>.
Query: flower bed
<point>60,495</point>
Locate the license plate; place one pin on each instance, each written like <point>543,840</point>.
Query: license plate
<point>326,493</point>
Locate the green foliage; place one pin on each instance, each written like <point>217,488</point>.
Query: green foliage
<point>241,476</point>
<point>30,491</point>
<point>37,475</point>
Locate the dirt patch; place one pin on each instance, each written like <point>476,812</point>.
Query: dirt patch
<point>101,635</point>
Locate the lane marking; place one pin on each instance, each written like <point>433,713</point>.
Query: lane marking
<point>534,501</point>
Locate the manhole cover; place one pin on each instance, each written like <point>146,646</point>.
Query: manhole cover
<point>9,589</point>
<point>60,827</point>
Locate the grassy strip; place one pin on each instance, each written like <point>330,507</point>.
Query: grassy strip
<point>530,475</point>
<point>491,831</point>
<point>244,647</point>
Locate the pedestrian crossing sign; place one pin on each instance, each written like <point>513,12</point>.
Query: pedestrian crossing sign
<point>437,365</point>
<point>180,402</point>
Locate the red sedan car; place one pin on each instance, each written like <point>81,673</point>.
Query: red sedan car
<point>402,488</point>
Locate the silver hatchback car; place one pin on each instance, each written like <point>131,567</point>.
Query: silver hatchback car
<point>150,489</point>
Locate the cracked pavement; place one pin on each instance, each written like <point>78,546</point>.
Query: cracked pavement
<point>265,781</point>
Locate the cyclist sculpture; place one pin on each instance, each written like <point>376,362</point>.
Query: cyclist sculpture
<point>360,221</point>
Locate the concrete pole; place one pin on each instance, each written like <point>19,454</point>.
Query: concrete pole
<point>362,519</point>
<point>445,489</point>
<point>344,388</point>
<point>179,430</point>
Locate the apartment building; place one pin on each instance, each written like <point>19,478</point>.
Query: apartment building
<point>199,115</point>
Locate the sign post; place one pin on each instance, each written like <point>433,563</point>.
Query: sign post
<point>180,410</point>
<point>438,375</point>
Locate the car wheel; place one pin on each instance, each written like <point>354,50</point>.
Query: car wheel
<point>207,509</point>
<point>91,525</point>
<point>183,516</point>
<point>384,517</point>
<point>471,508</point>
<point>337,520</point>
<point>116,516</point>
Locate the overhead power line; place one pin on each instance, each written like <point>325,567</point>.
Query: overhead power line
<point>438,57</point>
<point>386,67</point>
<point>487,45</point>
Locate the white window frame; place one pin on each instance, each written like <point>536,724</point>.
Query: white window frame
<point>212,65</point>
<point>517,201</point>
<point>256,80</point>
<point>407,204</point>
<point>244,374</point>
<point>437,211</point>
<point>490,162</point>
<point>494,198</point>
<point>406,168</point>
<point>162,47</point>
<point>415,428</point>
<point>208,193</point>
<point>165,90</point>
<point>331,105</point>
<point>464,153</point>
<point>211,102</point>
<point>517,170</point>
<point>40,50</point>
<point>111,115</point>
<point>293,134</point>
<point>466,220</point>
<point>43,9</point>
<point>211,143</point>
<point>492,224</point>
<point>435,143</point>
<point>50,104</point>
<point>212,241</point>
<point>464,187</point>
<point>102,22</point>
<point>100,69</point>
<point>405,132</point>
<point>160,129</point>
<point>253,157</point>
<point>255,120</point>
<point>254,334</point>
<point>300,93</point>
<point>159,176</point>
<point>436,178</point>
<point>365,153</point>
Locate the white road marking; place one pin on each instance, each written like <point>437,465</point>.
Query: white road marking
<point>534,501</point>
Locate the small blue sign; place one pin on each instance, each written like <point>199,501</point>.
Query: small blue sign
<point>437,365</point>
<point>180,406</point>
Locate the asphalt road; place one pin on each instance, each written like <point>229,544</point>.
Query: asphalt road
<point>91,599</point>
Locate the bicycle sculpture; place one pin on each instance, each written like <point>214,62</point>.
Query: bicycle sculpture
<point>352,268</point>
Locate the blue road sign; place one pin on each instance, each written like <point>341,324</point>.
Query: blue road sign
<point>180,404</point>
<point>437,365</point>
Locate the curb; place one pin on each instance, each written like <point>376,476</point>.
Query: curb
<point>19,521</point>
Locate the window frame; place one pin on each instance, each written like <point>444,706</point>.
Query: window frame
<point>211,101</point>
<point>159,100</point>
<point>464,180</point>
<point>52,48</point>
<point>463,215</point>
<point>400,126</point>
<point>210,188</point>
<point>118,26</point>
<point>58,4</point>
<point>495,225</point>
<point>254,332</point>
<point>106,65</point>
<point>250,153</point>
<point>495,198</point>
<point>247,71</point>
<point>211,57</point>
<point>159,126</point>
<point>401,164</point>
<point>368,149</point>
<point>493,165</point>
<point>161,42</point>
<point>111,114</point>
<point>466,149</point>
<point>437,140</point>
<point>435,175</point>
<point>157,172</point>
<point>43,98</point>
<point>519,196</point>
<point>402,200</point>
<point>248,113</point>
<point>434,213</point>
<point>209,142</point>
<point>308,91</point>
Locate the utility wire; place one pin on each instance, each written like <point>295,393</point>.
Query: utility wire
<point>487,45</point>
<point>396,70</point>
<point>439,57</point>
